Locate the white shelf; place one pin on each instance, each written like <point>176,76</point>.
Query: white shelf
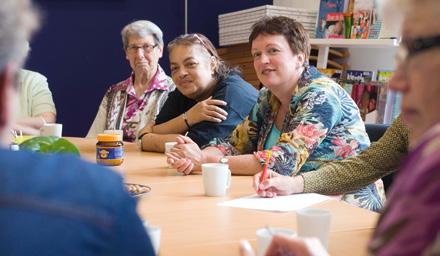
<point>325,44</point>
<point>356,43</point>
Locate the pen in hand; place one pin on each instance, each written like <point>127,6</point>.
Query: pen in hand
<point>264,173</point>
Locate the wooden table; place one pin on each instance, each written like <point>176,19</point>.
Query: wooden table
<point>193,224</point>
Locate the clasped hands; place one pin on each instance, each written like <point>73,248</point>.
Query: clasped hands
<point>185,156</point>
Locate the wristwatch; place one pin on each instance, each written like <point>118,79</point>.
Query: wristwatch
<point>223,160</point>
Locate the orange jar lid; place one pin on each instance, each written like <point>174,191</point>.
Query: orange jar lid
<point>108,137</point>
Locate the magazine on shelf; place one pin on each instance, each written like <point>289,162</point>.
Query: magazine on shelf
<point>358,83</point>
<point>362,18</point>
<point>326,7</point>
<point>389,101</point>
<point>365,97</point>
<point>376,25</point>
<point>361,24</point>
<point>360,76</point>
<point>334,27</point>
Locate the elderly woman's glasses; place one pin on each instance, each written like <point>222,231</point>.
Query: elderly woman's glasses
<point>412,47</point>
<point>146,48</point>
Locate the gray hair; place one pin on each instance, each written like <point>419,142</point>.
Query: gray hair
<point>18,19</point>
<point>142,28</point>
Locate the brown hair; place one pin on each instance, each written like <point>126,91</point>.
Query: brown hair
<point>292,30</point>
<point>222,69</point>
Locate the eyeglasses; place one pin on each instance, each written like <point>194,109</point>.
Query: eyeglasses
<point>146,48</point>
<point>412,47</point>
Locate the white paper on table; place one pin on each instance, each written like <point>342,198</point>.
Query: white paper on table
<point>279,203</point>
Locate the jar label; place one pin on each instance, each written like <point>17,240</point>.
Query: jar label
<point>109,153</point>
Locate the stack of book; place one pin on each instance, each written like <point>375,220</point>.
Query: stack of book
<point>235,27</point>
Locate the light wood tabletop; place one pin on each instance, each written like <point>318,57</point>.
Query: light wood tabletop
<point>193,224</point>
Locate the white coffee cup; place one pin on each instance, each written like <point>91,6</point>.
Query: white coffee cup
<point>168,147</point>
<point>51,129</point>
<point>314,223</point>
<point>216,178</point>
<point>264,237</point>
<point>154,234</point>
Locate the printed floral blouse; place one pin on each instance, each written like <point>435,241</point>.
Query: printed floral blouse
<point>323,124</point>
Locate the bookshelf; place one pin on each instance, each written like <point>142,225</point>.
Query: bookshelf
<point>239,54</point>
<point>325,44</point>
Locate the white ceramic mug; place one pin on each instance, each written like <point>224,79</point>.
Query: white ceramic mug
<point>314,223</point>
<point>264,237</point>
<point>168,147</point>
<point>216,178</point>
<point>154,234</point>
<point>51,129</point>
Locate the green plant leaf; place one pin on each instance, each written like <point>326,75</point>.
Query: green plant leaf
<point>49,144</point>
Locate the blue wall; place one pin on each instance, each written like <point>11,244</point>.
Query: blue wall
<point>79,47</point>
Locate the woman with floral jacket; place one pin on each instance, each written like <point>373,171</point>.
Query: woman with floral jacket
<point>302,119</point>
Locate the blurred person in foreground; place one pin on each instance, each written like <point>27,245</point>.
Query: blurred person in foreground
<point>131,104</point>
<point>48,207</point>
<point>410,222</point>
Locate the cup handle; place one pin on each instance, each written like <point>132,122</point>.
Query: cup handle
<point>228,183</point>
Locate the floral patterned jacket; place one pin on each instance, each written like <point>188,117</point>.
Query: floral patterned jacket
<point>119,111</point>
<point>323,124</point>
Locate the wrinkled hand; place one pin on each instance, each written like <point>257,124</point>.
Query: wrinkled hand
<point>185,156</point>
<point>207,110</point>
<point>283,245</point>
<point>276,184</point>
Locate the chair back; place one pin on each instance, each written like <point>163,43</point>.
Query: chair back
<point>375,131</point>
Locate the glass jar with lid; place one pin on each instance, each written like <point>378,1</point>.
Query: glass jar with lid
<point>109,149</point>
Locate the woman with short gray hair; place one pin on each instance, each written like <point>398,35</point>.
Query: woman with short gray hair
<point>141,28</point>
<point>134,102</point>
